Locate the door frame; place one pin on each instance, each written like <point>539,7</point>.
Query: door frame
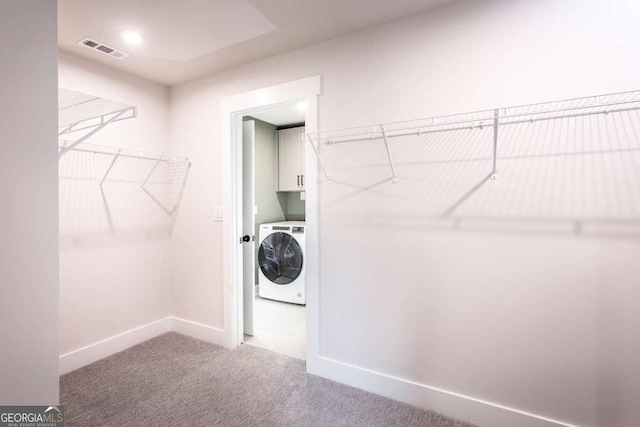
<point>233,109</point>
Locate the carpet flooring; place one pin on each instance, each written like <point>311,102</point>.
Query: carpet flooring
<point>175,380</point>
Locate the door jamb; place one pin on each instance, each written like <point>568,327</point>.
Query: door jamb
<point>233,109</point>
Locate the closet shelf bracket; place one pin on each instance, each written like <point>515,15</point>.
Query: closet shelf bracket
<point>386,146</point>
<point>79,112</point>
<point>113,162</point>
<point>315,150</point>
<point>152,170</point>
<point>494,170</point>
<point>102,125</point>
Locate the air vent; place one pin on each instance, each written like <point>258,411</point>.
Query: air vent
<point>106,49</point>
<point>90,43</point>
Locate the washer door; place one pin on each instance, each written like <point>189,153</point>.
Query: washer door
<point>280,258</point>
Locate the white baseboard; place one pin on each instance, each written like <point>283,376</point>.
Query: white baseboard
<point>94,352</point>
<point>199,331</point>
<point>455,405</point>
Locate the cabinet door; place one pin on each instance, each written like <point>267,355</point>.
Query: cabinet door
<point>288,160</point>
<point>301,148</point>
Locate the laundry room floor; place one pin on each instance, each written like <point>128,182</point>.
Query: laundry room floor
<point>279,326</point>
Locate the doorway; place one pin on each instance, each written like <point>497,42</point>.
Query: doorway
<point>240,225</point>
<point>274,260</point>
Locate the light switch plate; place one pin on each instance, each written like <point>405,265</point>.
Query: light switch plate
<point>303,195</point>
<point>218,213</point>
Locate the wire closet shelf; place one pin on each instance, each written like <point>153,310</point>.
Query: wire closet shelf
<point>602,125</point>
<point>81,116</point>
<point>78,112</point>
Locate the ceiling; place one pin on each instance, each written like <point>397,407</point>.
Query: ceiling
<point>187,39</point>
<point>290,114</point>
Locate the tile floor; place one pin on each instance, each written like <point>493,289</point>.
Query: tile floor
<point>279,326</point>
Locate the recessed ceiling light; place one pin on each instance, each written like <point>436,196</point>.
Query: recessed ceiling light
<point>132,37</point>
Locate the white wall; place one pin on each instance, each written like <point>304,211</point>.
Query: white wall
<point>115,272</point>
<point>28,188</point>
<point>542,323</point>
<point>295,206</point>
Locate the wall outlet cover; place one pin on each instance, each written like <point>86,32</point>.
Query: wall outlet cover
<point>303,195</point>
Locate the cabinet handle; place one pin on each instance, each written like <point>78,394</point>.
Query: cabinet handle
<point>298,180</point>
<point>302,180</point>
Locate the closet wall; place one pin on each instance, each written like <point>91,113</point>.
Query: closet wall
<point>28,190</point>
<point>540,322</point>
<point>115,272</point>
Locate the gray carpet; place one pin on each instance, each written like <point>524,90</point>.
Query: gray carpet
<point>174,380</point>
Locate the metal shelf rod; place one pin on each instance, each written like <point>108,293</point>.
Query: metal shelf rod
<point>141,156</point>
<point>468,127</point>
<point>436,119</point>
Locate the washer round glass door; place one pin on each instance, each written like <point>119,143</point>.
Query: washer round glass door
<point>280,258</point>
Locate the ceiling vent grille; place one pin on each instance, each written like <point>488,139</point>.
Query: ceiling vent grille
<point>101,47</point>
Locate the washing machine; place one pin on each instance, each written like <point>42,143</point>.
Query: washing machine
<point>281,259</point>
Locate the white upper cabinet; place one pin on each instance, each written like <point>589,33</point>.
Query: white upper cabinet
<point>291,159</point>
